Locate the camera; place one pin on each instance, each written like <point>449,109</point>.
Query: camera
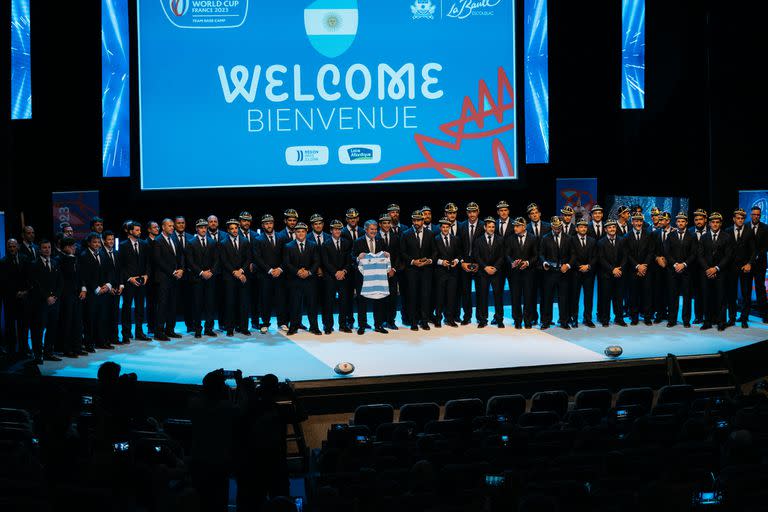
<point>229,374</point>
<point>721,424</point>
<point>86,400</point>
<point>622,414</point>
<point>121,446</point>
<point>362,440</point>
<point>504,440</point>
<point>707,499</point>
<point>495,481</point>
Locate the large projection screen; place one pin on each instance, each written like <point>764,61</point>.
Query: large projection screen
<point>235,93</point>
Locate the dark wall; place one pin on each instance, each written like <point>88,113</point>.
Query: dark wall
<point>696,137</point>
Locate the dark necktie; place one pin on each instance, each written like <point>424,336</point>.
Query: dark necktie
<point>664,236</point>
<point>272,240</point>
<point>47,264</point>
<point>136,247</point>
<point>613,242</point>
<point>386,239</point>
<point>301,247</point>
<point>738,233</point>
<point>418,237</point>
<point>536,230</point>
<point>445,239</point>
<point>203,241</point>
<point>501,228</point>
<point>111,258</point>
<point>489,241</point>
<point>234,243</point>
<point>599,231</point>
<point>583,242</point>
<point>714,237</point>
<point>98,258</point>
<point>318,239</point>
<point>754,228</point>
<point>338,246</point>
<point>181,240</point>
<point>520,240</point>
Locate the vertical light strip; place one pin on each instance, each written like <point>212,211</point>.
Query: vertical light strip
<point>536,82</point>
<point>21,70</point>
<point>633,54</point>
<point>115,103</point>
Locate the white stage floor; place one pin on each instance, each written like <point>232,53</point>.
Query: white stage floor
<point>305,356</point>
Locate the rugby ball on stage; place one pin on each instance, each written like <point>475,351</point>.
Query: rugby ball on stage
<point>344,368</point>
<point>613,351</point>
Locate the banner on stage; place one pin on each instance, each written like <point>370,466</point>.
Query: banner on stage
<point>578,193</point>
<point>77,209</point>
<point>673,205</point>
<point>749,199</point>
<point>253,94</point>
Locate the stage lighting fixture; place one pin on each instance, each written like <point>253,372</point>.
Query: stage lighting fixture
<point>613,351</point>
<point>344,368</point>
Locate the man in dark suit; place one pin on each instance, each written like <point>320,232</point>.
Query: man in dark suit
<point>612,262</point>
<point>596,230</point>
<point>489,252</point>
<point>522,257</point>
<point>168,269</point>
<point>235,259</point>
<point>698,230</point>
<point>417,250</point>
<point>623,223</point>
<point>451,212</point>
<point>584,266</point>
<point>249,234</point>
<point>659,232</point>
<point>203,263</point>
<point>13,291</point>
<point>95,283</point>
<point>112,299</point>
<point>368,243</point>
<point>394,215</point>
<point>267,257</point>
<point>538,228</point>
<point>468,232</point>
<point>318,237</point>
<point>504,230</point>
<point>680,252</point>
<point>219,235</point>
<point>301,261</point>
<point>426,212</point>
<point>336,259</point>
<point>28,247</point>
<point>640,251</point>
<point>715,258</point>
<point>352,231</point>
<point>760,232</point>
<point>70,331</point>
<point>555,258</point>
<point>153,231</point>
<point>569,227</point>
<point>134,274</point>
<point>43,296</point>
<point>739,274</point>
<point>184,293</point>
<point>447,255</point>
<point>392,246</point>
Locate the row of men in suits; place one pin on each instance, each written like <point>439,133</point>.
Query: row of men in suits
<point>639,269</point>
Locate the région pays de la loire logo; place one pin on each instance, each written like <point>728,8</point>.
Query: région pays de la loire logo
<point>331,26</point>
<point>423,10</point>
<point>179,7</point>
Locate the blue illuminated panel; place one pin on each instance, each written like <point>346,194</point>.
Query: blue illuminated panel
<point>115,156</point>
<point>21,71</point>
<point>633,54</point>
<point>536,82</point>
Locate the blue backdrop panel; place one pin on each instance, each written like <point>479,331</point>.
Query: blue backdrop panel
<point>21,65</point>
<point>115,86</point>
<point>633,54</point>
<point>536,68</point>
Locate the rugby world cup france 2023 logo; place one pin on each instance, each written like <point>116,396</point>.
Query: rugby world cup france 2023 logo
<point>179,7</point>
<point>331,26</point>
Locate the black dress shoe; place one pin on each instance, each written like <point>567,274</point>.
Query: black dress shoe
<point>529,326</point>
<point>564,325</point>
<point>327,330</point>
<point>589,324</point>
<point>671,324</point>
<point>361,330</point>
<point>634,321</point>
<point>414,327</point>
<point>648,321</point>
<point>544,327</point>
<point>292,331</point>
<point>721,327</point>
<point>51,357</point>
<point>302,327</point>
<point>143,337</point>
<point>392,327</point>
<point>438,324</point>
<point>697,321</point>
<point>173,334</point>
<point>656,320</point>
<point>105,346</point>
<point>605,324</point>
<point>466,321</point>
<point>381,330</point>
<point>126,336</point>
<point>705,326</point>
<point>744,324</point>
<point>245,332</point>
<point>451,324</point>
<point>425,326</point>
<point>90,350</point>
<point>730,323</point>
<point>209,332</point>
<point>71,355</point>
<point>230,333</point>
<point>622,323</point>
<point>480,325</point>
<point>316,331</point>
<point>500,325</point>
<point>162,337</point>
<point>687,325</point>
<point>345,329</point>
<point>198,334</point>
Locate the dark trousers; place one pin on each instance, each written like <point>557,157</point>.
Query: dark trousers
<point>538,291</point>
<point>522,294</point>
<point>15,325</point>
<point>302,294</point>
<point>600,302</point>
<point>133,300</point>
<point>253,286</point>
<point>336,293</point>
<point>166,305</point>
<point>45,320</point>
<point>94,311</point>
<point>236,307</point>
<point>404,291</point>
<point>390,303</point>
<point>350,295</point>
<point>486,282</point>
<point>582,281</point>
<point>679,283</point>
<point>325,307</point>
<point>613,295</point>
<point>112,316</point>
<point>739,280</point>
<point>151,295</point>
<point>713,293</point>
<point>640,296</point>
<point>697,289</point>
<point>204,292</point>
<point>465,282</point>
<point>419,294</point>
<point>212,484</point>
<point>270,298</point>
<point>186,301</point>
<point>555,283</point>
<point>758,276</point>
<point>660,293</point>
<point>70,335</point>
<point>364,304</point>
<point>446,283</point>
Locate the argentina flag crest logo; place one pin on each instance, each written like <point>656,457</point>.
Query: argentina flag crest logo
<point>331,25</point>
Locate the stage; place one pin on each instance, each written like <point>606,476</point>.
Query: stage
<point>307,357</point>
